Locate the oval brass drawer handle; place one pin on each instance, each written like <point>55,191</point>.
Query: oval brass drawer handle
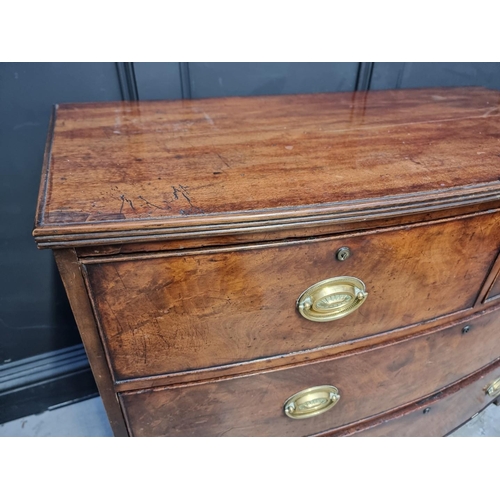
<point>332,299</point>
<point>311,402</point>
<point>493,389</point>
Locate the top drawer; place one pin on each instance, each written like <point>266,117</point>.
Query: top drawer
<point>170,312</point>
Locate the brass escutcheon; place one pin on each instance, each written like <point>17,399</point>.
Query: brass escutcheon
<point>493,390</point>
<point>332,299</point>
<point>343,253</point>
<point>311,402</point>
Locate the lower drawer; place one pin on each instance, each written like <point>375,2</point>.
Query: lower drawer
<point>369,382</point>
<point>441,414</point>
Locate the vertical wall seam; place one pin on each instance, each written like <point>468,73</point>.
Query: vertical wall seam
<point>127,81</point>
<point>364,76</point>
<point>185,80</point>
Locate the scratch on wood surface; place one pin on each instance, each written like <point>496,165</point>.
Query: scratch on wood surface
<point>145,350</point>
<point>414,161</point>
<point>491,111</point>
<point>222,159</point>
<point>184,192</point>
<point>175,191</point>
<point>187,198</point>
<point>225,432</point>
<point>149,203</point>
<point>125,199</point>
<point>209,120</point>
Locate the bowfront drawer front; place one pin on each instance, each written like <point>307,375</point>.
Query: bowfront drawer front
<point>166,313</point>
<point>494,293</point>
<point>319,396</point>
<point>494,289</point>
<point>441,415</point>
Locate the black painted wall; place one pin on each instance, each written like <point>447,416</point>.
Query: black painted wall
<point>40,352</point>
<point>35,318</point>
<point>415,75</point>
<point>34,314</point>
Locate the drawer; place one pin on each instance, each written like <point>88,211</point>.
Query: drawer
<point>369,382</point>
<point>167,313</point>
<point>441,414</point>
<point>494,292</point>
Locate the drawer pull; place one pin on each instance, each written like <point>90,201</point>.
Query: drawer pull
<point>493,389</point>
<point>332,299</point>
<point>311,402</point>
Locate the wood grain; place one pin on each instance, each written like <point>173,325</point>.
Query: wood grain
<point>435,416</point>
<point>162,313</point>
<point>158,167</point>
<point>302,357</point>
<point>494,292</point>
<point>492,284</point>
<point>42,192</point>
<point>369,382</point>
<point>71,275</point>
<point>284,232</point>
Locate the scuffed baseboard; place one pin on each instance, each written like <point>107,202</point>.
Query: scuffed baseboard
<point>42,382</point>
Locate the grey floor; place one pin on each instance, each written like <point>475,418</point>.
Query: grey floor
<point>84,419</point>
<point>88,419</point>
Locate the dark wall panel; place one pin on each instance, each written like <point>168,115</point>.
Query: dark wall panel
<point>414,75</point>
<point>157,81</point>
<point>34,311</point>
<point>230,79</point>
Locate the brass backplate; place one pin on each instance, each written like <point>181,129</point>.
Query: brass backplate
<point>311,402</point>
<point>332,299</point>
<point>493,390</point>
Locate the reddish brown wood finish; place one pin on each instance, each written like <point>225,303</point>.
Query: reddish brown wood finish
<point>239,164</point>
<point>301,357</point>
<point>280,233</point>
<point>166,313</point>
<point>494,292</point>
<point>369,382</point>
<point>197,224</point>
<point>435,416</point>
<point>70,271</point>
<point>493,283</point>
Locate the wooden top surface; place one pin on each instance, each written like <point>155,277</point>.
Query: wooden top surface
<point>127,167</point>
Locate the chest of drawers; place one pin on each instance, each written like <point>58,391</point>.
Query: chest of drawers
<point>282,266</point>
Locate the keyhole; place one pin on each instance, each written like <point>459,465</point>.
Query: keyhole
<point>343,253</point>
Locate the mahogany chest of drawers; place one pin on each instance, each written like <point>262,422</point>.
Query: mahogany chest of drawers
<point>282,266</point>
